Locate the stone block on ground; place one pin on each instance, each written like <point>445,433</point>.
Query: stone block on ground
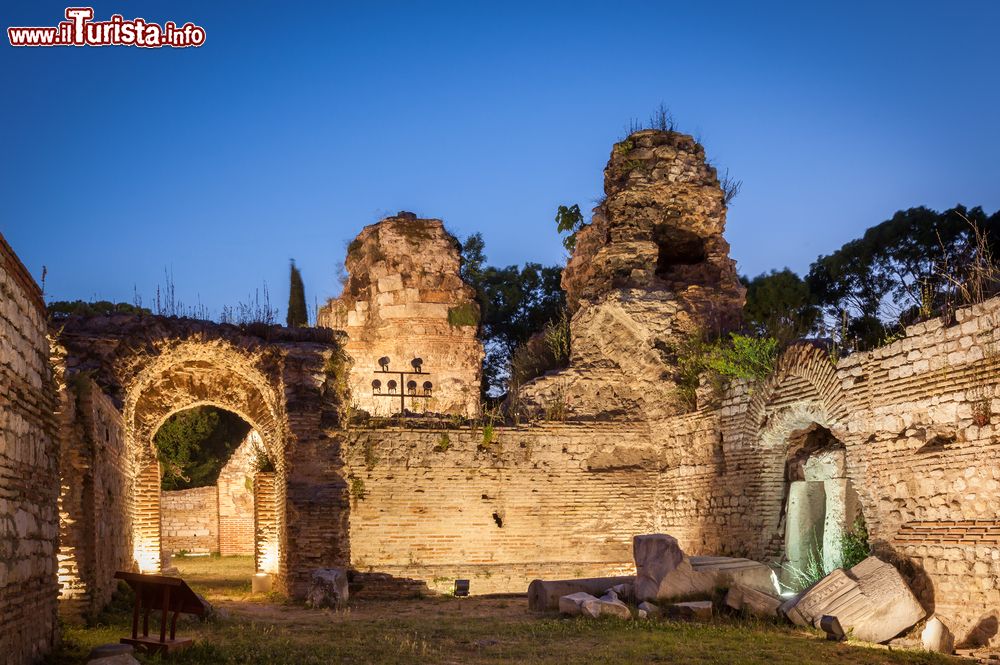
<point>871,601</point>
<point>656,555</point>
<point>610,605</point>
<point>729,571</point>
<point>573,604</point>
<point>327,588</point>
<point>697,610</point>
<point>648,610</point>
<point>755,602</point>
<point>937,638</point>
<point>544,595</point>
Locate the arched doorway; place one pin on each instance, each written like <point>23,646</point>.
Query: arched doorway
<point>198,376</point>
<point>209,458</point>
<point>820,505</point>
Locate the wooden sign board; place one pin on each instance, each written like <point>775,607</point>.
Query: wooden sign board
<point>168,595</point>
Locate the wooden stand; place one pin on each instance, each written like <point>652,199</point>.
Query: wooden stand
<point>168,595</point>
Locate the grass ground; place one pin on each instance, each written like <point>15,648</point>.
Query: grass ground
<point>269,630</point>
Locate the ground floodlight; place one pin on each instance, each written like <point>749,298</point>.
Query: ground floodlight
<point>461,587</point>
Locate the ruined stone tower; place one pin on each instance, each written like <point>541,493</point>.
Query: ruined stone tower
<point>404,299</point>
<point>651,270</point>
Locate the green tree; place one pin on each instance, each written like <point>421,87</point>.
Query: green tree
<point>297,316</point>
<point>779,305</point>
<point>905,268</point>
<point>515,303</point>
<point>569,220</point>
<point>193,445</point>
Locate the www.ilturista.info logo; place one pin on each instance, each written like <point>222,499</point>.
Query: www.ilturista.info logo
<point>80,30</point>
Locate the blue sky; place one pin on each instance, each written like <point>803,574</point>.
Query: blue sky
<point>298,123</point>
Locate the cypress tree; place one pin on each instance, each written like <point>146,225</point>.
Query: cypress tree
<point>297,315</point>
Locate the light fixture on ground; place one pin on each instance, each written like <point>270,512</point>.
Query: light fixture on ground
<point>461,588</point>
<point>261,583</point>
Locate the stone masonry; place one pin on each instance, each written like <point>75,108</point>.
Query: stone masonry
<point>404,299</point>
<point>29,470</point>
<point>651,270</point>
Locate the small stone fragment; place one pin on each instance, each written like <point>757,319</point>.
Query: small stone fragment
<point>327,588</point>
<point>937,638</point>
<point>573,603</point>
<point>697,610</point>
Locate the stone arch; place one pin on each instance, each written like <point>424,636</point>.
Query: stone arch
<point>803,395</point>
<point>184,375</point>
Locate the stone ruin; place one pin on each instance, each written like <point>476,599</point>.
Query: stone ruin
<point>651,270</point>
<point>904,435</point>
<point>404,299</point>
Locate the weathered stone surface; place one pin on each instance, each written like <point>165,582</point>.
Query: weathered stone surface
<point>871,600</point>
<point>578,603</point>
<point>648,610</point>
<point>651,270</point>
<point>697,610</point>
<point>545,594</point>
<point>731,571</point>
<point>328,588</point>
<point>937,638</point>
<point>404,299</point>
<point>29,470</point>
<point>656,555</point>
<point>612,606</point>
<point>758,603</point>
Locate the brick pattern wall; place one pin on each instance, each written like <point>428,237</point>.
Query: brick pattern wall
<point>29,470</point>
<point>265,519</point>
<point>93,508</point>
<point>235,489</point>
<point>189,520</point>
<point>560,500</point>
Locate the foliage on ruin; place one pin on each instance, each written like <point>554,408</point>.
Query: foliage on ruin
<point>357,489</point>
<point>515,302</point>
<point>543,352</point>
<point>260,461</point>
<point>854,546</point>
<point>443,443</point>
<point>465,314</point>
<point>370,454</point>
<point>569,220</point>
<point>741,357</point>
<point>193,445</point>
<point>64,308</point>
<point>297,314</point>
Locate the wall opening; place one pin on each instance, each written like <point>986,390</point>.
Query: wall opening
<point>820,505</point>
<point>207,458</point>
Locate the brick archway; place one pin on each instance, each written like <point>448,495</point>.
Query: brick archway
<point>122,376</point>
<point>183,376</point>
<point>803,393</point>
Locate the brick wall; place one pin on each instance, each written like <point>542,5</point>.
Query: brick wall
<point>93,506</point>
<point>29,470</point>
<point>189,520</point>
<point>235,489</point>
<point>560,500</point>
